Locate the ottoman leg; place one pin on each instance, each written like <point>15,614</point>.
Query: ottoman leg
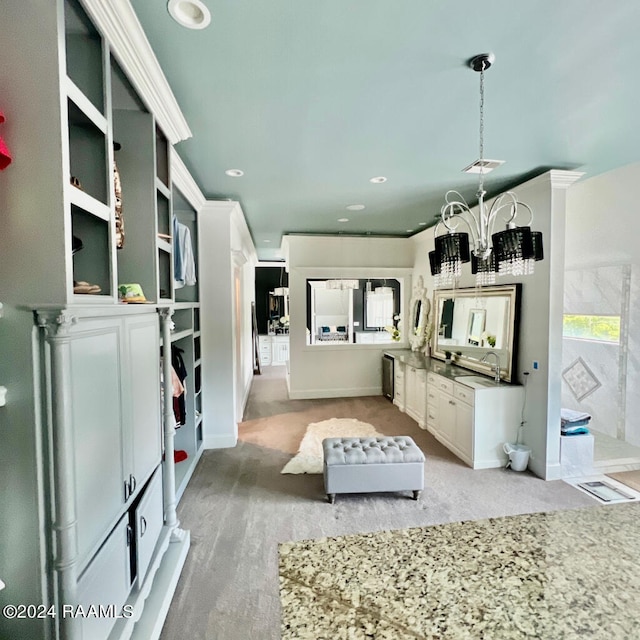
<point>416,495</point>
<point>331,497</point>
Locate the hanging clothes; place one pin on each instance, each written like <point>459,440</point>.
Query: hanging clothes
<point>179,405</point>
<point>184,263</point>
<point>5,154</point>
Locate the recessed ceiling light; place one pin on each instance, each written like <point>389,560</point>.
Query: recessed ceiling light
<point>378,180</point>
<point>355,207</point>
<point>422,224</point>
<point>267,241</point>
<point>343,219</point>
<point>234,173</point>
<point>409,230</point>
<point>192,14</point>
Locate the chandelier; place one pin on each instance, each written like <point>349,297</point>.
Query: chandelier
<point>342,284</point>
<point>511,251</point>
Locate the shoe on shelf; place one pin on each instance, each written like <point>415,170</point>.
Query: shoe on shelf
<point>80,286</point>
<point>179,455</point>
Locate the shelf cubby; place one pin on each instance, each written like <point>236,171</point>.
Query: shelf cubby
<point>88,154</point>
<point>84,53</point>
<point>93,262</point>
<point>183,319</point>
<point>165,281</point>
<point>186,215</point>
<point>162,157</point>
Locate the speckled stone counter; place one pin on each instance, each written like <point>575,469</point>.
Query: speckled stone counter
<point>550,576</point>
<point>418,360</point>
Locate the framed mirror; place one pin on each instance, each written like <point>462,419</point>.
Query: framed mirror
<point>471,322</point>
<point>419,307</point>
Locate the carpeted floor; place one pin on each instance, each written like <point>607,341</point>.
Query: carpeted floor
<point>239,507</point>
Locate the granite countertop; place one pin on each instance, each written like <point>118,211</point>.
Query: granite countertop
<point>453,372</point>
<point>544,576</point>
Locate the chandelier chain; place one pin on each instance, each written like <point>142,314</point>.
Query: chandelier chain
<point>481,180</point>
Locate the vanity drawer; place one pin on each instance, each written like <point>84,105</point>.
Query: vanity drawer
<point>463,393</point>
<point>432,396</point>
<point>443,384</point>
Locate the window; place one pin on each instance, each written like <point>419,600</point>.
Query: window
<point>594,328</point>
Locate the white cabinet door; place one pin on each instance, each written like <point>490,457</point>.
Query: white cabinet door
<point>143,422</point>
<point>410,391</point>
<point>106,583</point>
<point>416,394</point>
<point>148,524</point>
<point>281,350</point>
<point>96,373</point>
<point>464,430</point>
<point>399,386</point>
<point>446,416</point>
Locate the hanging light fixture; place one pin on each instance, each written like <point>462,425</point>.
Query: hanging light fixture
<point>509,252</point>
<point>342,284</point>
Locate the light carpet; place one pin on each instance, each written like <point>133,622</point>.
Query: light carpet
<point>543,575</point>
<point>309,458</point>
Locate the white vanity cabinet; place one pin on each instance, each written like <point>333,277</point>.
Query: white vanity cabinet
<point>416,394</point>
<point>474,423</point>
<point>398,385</point>
<point>274,350</point>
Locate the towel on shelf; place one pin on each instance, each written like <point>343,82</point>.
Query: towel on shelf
<point>569,416</point>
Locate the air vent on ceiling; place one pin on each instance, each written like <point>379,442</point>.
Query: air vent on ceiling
<point>483,165</point>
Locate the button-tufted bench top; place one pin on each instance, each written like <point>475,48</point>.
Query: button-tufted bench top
<point>397,449</point>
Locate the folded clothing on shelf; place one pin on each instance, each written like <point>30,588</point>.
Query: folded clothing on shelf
<point>578,430</point>
<point>574,418</point>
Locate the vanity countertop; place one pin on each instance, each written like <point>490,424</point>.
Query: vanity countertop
<point>453,372</point>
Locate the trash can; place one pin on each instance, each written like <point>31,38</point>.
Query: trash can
<point>518,456</point>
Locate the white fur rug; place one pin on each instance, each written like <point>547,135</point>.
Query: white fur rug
<point>309,457</point>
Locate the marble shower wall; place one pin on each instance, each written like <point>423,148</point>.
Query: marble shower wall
<point>604,290</point>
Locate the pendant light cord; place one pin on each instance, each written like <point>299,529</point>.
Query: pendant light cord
<point>481,179</point>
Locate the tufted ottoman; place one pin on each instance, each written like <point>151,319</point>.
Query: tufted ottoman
<point>367,465</point>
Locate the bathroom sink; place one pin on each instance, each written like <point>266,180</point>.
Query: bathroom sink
<point>476,382</point>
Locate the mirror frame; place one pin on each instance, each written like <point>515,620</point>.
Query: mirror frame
<point>508,354</point>
<point>419,308</point>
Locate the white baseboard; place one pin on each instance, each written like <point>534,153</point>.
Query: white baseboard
<point>552,471</point>
<point>220,442</point>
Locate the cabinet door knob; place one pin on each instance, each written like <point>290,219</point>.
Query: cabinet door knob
<point>452,402</point>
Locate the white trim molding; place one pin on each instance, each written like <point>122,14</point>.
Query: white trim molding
<point>119,24</point>
<point>184,182</point>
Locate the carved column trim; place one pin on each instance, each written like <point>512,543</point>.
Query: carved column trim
<point>168,421</point>
<point>56,329</point>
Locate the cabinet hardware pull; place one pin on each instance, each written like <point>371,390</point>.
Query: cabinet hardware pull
<point>143,526</point>
<point>126,491</point>
<point>452,402</point>
<point>129,535</point>
<point>132,484</point>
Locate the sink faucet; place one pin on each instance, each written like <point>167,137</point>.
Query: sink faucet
<point>495,367</point>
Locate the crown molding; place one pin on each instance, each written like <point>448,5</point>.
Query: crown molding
<point>120,26</point>
<point>561,179</point>
<point>184,182</point>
